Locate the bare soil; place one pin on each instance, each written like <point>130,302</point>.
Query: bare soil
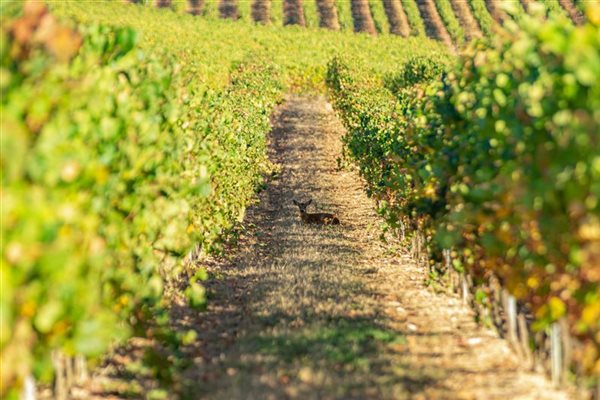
<point>293,13</point>
<point>361,15</point>
<point>261,10</point>
<point>329,312</point>
<point>229,9</point>
<point>397,18</point>
<point>328,17</point>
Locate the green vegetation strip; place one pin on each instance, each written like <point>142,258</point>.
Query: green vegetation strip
<point>277,12</point>
<point>555,7</point>
<point>417,27</point>
<point>452,25</point>
<point>344,15</point>
<point>301,52</point>
<point>245,10</point>
<point>379,16</point>
<point>311,14</point>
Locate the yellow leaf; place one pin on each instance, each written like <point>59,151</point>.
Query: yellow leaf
<point>533,282</point>
<point>557,308</point>
<point>593,13</point>
<point>591,314</point>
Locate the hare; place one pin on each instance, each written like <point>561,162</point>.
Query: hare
<point>315,218</point>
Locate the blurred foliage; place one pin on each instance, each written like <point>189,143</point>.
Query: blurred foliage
<point>115,163</point>
<point>496,158</point>
<point>129,138</point>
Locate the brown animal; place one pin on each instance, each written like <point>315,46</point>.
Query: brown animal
<point>315,218</point>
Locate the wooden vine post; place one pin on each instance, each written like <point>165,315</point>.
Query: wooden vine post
<point>511,317</point>
<point>556,353</point>
<point>464,288</point>
<point>60,384</point>
<point>552,348</point>
<point>228,9</point>
<point>29,391</point>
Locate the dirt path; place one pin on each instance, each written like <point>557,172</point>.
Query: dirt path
<point>331,312</point>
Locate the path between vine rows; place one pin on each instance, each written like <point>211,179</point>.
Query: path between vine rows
<point>312,312</point>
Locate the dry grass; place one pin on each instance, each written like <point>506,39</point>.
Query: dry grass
<point>304,311</point>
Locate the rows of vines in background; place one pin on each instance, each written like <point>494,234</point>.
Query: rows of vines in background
<point>552,7</point>
<point>109,179</point>
<point>515,10</point>
<point>303,53</point>
<point>490,15</point>
<point>499,161</point>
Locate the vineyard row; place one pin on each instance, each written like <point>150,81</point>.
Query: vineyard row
<point>452,22</point>
<point>495,161</point>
